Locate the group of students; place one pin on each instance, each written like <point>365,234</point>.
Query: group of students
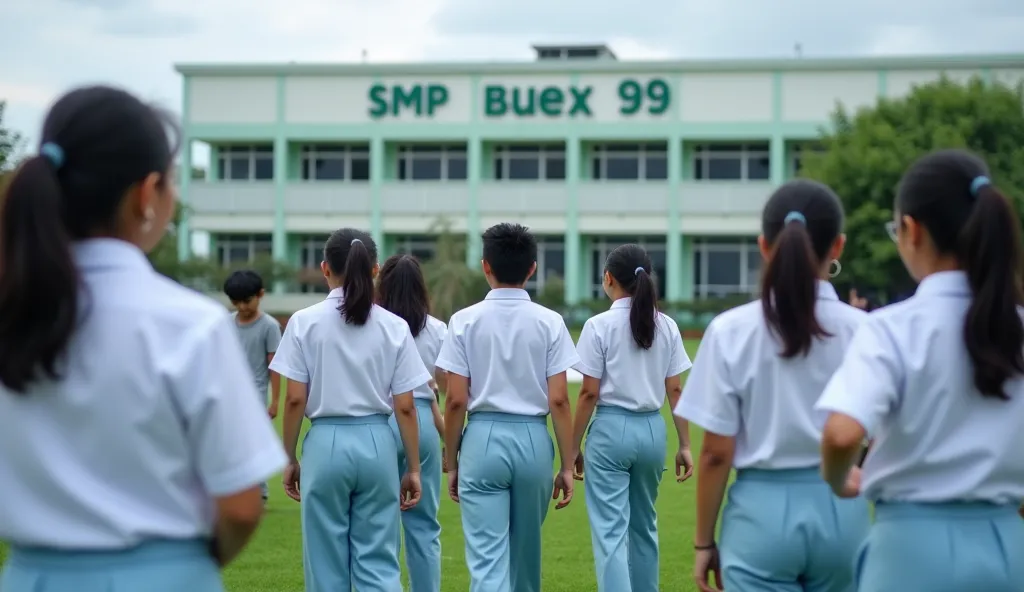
<point>134,444</point>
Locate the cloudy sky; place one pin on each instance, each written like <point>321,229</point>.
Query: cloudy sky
<point>47,46</point>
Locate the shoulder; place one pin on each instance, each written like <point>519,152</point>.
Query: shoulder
<point>389,321</point>
<point>188,305</point>
<point>436,325</point>
<point>667,322</point>
<point>269,321</point>
<point>466,316</point>
<point>739,318</point>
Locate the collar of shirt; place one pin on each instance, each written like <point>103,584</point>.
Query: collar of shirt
<point>622,303</point>
<point>338,293</point>
<point>944,283</point>
<point>109,253</point>
<point>826,291</point>
<point>507,294</point>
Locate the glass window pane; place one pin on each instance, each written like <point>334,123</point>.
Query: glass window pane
<point>698,257</point>
<point>330,169</point>
<point>403,169</point>
<point>360,169</point>
<point>237,253</point>
<point>727,169</point>
<point>621,168</point>
<point>759,167</point>
<point>264,169</point>
<point>595,170</point>
<point>698,168</point>
<point>724,147</point>
<point>554,169</point>
<point>724,268</point>
<point>754,263</point>
<point>264,149</point>
<point>426,169</point>
<point>524,169</point>
<point>238,168</point>
<point>523,149</point>
<point>499,168</point>
<point>656,167</point>
<point>457,168</point>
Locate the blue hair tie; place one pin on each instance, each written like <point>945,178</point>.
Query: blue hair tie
<point>795,216</point>
<point>638,270</point>
<point>53,153</point>
<point>979,182</point>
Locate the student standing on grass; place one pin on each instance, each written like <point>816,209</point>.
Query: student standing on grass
<point>402,290</point>
<point>349,363</point>
<point>630,357</point>
<point>132,444</point>
<point>260,335</point>
<point>516,354</point>
<point>757,375</point>
<point>936,381</point>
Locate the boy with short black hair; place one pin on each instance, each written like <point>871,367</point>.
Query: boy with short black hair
<point>260,335</point>
<point>516,353</point>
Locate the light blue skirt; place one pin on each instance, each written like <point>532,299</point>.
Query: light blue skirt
<point>154,566</point>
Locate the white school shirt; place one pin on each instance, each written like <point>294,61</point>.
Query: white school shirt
<point>508,347</point>
<point>428,344</point>
<point>631,377</point>
<point>156,415</point>
<point>740,386</point>
<point>908,380</point>
<point>349,370</point>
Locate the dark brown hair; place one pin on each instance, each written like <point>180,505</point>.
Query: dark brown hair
<point>351,254</point>
<point>402,290</point>
<point>631,267</point>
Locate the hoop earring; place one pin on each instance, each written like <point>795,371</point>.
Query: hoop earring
<point>834,268</point>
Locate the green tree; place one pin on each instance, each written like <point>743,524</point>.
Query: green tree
<point>451,284</point>
<point>10,144</point>
<point>865,154</point>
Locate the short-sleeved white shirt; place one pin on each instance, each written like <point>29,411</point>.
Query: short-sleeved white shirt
<point>428,344</point>
<point>740,386</point>
<point>631,377</point>
<point>350,370</point>
<point>908,380</point>
<point>156,415</point>
<point>508,347</point>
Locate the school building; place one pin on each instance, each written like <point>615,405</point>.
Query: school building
<point>587,150</point>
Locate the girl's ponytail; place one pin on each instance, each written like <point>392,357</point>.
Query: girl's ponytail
<point>643,308</point>
<point>358,287</point>
<point>789,288</point>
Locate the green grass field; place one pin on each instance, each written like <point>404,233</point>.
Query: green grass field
<point>273,561</point>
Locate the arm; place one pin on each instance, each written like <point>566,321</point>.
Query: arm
<point>585,404</point>
<point>275,388</point>
<point>674,390</point>
<point>715,462</point>
<point>440,381</point>
<point>408,427</point>
<point>435,410</point>
<point>456,401</point>
<point>238,516</point>
<point>294,412</point>
<point>561,418</point>
<point>841,443</point>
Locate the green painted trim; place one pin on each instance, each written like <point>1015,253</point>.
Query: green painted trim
<point>687,270</point>
<point>674,238</point>
<point>612,66</point>
<point>185,180</point>
<point>573,278</point>
<point>279,236</point>
<point>777,144</point>
<point>986,76</point>
<point>376,184</point>
<point>777,98</point>
<point>883,83</point>
<point>474,160</point>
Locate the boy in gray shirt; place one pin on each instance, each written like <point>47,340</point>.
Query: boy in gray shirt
<point>260,335</point>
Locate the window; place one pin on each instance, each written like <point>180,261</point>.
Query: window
<point>550,264</point>
<point>432,163</point>
<point>726,267</point>
<point>245,163</point>
<point>421,247</point>
<point>629,162</point>
<point>796,155</point>
<point>241,249</point>
<point>600,247</point>
<point>327,162</point>
<point>529,163</point>
<point>582,52</point>
<point>311,253</point>
<point>731,162</point>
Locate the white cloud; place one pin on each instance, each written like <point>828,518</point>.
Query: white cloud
<point>49,46</point>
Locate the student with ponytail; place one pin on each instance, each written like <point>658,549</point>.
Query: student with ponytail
<point>756,377</point>
<point>350,364</point>
<point>936,381</point>
<point>132,440</point>
<point>631,357</point>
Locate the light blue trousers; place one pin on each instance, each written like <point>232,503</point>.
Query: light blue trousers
<point>624,461</point>
<point>505,486</point>
<point>154,566</point>
<point>785,531</point>
<point>350,505</point>
<point>420,525</point>
<point>953,547</point>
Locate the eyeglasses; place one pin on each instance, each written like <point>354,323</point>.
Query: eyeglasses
<point>890,229</point>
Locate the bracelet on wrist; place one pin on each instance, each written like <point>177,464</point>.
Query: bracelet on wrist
<point>707,547</point>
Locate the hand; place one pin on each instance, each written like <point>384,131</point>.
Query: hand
<point>453,483</point>
<point>444,461</point>
<point>577,467</point>
<point>684,464</point>
<point>291,478</point>
<point>411,490</point>
<point>704,562</point>
<point>272,411</point>
<point>563,485</point>
<point>852,486</point>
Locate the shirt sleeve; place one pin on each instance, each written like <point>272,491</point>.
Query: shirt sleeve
<point>866,386</point>
<point>231,439</point>
<point>709,399</point>
<point>409,369</point>
<point>561,352</point>
<point>590,351</point>
<point>273,335</point>
<point>288,360</point>
<point>678,361</point>
<point>453,357</point>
